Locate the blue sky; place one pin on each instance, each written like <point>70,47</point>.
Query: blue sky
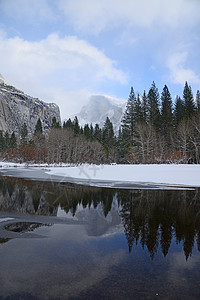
<point>63,51</point>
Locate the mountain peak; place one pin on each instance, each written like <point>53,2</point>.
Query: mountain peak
<point>2,80</point>
<point>98,108</point>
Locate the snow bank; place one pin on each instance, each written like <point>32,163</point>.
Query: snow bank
<point>164,175</point>
<point>184,175</point>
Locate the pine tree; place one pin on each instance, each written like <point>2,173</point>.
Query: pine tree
<point>121,147</point>
<point>91,132</point>
<point>55,124</point>
<point>68,124</point>
<point>1,141</point>
<point>138,111</point>
<point>153,106</point>
<point>76,126</point>
<point>6,140</point>
<point>108,133</point>
<point>97,132</point>
<point>198,100</point>
<point>13,141</point>
<point>144,107</point>
<point>179,111</point>
<point>86,131</point>
<point>24,134</point>
<point>188,100</point>
<point>38,135</point>
<point>38,127</point>
<point>128,120</point>
<point>166,111</point>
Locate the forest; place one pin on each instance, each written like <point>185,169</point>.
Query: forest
<point>153,130</point>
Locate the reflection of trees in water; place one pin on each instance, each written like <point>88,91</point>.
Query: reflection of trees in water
<point>150,217</point>
<point>3,241</point>
<point>43,198</point>
<point>154,217</point>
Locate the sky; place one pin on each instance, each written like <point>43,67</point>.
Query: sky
<point>64,51</point>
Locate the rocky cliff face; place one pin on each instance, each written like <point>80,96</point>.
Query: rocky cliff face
<point>17,108</point>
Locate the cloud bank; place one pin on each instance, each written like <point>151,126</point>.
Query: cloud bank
<point>66,50</point>
<point>65,63</point>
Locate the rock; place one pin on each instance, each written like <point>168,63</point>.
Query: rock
<point>17,108</point>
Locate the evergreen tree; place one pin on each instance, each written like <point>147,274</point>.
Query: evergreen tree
<point>13,141</point>
<point>24,134</point>
<point>179,111</point>
<point>86,131</point>
<point>6,140</point>
<point>76,126</point>
<point>91,132</point>
<point>166,111</point>
<point>38,127</point>
<point>198,100</point>
<point>153,106</point>
<point>108,133</point>
<point>38,135</point>
<point>121,148</point>
<point>68,124</point>
<point>144,107</point>
<point>1,141</point>
<point>128,120</point>
<point>55,124</point>
<point>138,110</point>
<point>97,132</point>
<point>188,100</point>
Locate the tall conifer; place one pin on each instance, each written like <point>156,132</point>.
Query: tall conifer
<point>144,107</point>
<point>188,100</point>
<point>198,100</point>
<point>153,106</point>
<point>128,121</point>
<point>166,111</point>
<point>179,111</point>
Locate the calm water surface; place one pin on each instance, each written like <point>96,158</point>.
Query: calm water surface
<point>65,241</point>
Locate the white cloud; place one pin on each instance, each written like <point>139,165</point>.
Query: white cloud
<point>94,16</point>
<point>37,10</point>
<point>178,73</point>
<point>56,64</point>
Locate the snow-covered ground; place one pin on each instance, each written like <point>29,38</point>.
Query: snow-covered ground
<point>115,175</point>
<point>185,175</point>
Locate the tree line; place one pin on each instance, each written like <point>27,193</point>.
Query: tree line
<point>61,144</point>
<point>153,130</point>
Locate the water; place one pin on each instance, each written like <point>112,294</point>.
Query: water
<point>65,241</point>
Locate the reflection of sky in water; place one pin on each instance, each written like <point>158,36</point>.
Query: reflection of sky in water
<point>66,262</point>
<point>69,263</point>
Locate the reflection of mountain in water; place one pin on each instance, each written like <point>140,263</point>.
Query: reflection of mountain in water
<point>150,217</point>
<point>97,224</point>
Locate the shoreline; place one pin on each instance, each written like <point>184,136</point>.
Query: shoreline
<point>62,175</point>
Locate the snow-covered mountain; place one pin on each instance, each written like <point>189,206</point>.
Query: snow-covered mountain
<point>99,108</point>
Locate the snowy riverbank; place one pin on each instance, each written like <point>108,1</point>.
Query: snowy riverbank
<point>111,175</point>
<point>185,175</point>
